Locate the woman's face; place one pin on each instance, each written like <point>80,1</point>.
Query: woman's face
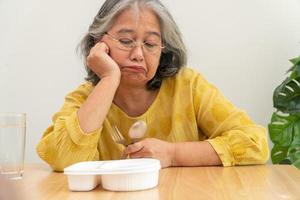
<point>138,63</point>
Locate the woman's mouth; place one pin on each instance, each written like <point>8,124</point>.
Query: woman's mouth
<point>134,68</point>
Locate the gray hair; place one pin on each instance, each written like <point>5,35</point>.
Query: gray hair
<point>173,56</point>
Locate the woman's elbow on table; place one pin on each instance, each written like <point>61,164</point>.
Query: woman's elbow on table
<point>242,147</point>
<point>258,152</point>
<point>263,152</point>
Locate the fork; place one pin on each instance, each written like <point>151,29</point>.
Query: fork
<point>118,137</point>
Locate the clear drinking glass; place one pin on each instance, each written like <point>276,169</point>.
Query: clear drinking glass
<point>12,144</point>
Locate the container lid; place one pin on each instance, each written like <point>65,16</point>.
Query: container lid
<point>126,166</point>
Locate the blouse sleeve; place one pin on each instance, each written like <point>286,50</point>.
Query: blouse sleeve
<point>64,143</point>
<point>233,135</point>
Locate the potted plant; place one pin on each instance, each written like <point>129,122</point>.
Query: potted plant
<point>284,128</point>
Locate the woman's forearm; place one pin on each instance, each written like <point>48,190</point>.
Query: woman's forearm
<point>94,110</point>
<point>195,154</point>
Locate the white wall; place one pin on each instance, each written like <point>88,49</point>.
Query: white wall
<point>242,47</point>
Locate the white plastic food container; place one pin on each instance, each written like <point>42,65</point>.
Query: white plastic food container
<point>115,175</point>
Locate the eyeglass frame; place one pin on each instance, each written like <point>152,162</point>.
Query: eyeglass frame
<point>134,42</point>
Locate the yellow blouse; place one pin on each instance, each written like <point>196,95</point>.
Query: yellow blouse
<point>187,108</point>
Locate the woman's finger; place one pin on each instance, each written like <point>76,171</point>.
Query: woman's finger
<point>135,147</point>
<point>139,154</point>
<point>102,46</point>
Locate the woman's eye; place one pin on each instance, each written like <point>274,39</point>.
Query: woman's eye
<point>150,44</point>
<point>126,41</point>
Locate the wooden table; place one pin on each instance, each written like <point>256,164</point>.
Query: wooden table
<point>183,183</point>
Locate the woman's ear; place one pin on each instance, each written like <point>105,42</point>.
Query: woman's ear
<point>164,50</point>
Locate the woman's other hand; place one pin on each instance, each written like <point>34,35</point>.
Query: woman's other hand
<point>100,62</point>
<point>153,148</point>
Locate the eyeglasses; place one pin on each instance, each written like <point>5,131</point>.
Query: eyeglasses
<point>127,44</point>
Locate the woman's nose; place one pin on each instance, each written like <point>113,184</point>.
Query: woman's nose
<point>137,53</point>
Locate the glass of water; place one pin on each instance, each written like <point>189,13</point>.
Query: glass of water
<point>12,144</point>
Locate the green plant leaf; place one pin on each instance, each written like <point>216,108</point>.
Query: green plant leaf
<point>284,131</point>
<point>281,128</point>
<point>286,97</point>
<point>295,71</point>
<point>295,61</point>
<point>295,159</point>
<point>284,128</point>
<point>279,155</point>
<point>294,149</point>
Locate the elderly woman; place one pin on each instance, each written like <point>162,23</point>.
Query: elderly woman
<point>135,59</point>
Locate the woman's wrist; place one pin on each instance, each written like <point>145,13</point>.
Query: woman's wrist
<point>173,149</point>
<point>114,77</point>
